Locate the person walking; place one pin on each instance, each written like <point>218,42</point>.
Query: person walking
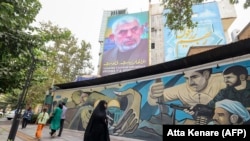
<point>63,116</point>
<point>27,117</point>
<point>97,128</point>
<point>41,121</point>
<point>55,123</point>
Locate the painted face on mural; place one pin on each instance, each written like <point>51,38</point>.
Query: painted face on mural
<point>221,116</point>
<point>127,36</point>
<point>231,80</point>
<point>84,97</point>
<point>196,81</point>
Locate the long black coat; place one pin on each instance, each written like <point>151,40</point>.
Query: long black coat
<point>97,128</point>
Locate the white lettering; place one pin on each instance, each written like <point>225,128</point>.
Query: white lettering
<point>192,132</point>
<point>175,132</point>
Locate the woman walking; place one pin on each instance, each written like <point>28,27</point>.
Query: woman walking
<point>55,123</point>
<point>97,128</point>
<point>41,122</point>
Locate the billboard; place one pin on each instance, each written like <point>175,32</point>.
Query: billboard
<point>209,31</point>
<point>126,43</point>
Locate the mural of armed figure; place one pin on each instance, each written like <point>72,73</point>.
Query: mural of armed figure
<point>124,110</point>
<point>121,105</point>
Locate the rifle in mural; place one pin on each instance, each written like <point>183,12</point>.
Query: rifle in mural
<point>202,113</point>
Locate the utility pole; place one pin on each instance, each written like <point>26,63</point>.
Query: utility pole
<point>22,98</point>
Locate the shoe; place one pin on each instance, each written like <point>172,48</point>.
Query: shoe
<point>54,135</point>
<point>59,135</point>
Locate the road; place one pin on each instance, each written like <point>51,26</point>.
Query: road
<point>4,121</point>
<point>28,134</point>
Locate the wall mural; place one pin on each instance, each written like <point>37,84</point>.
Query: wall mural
<point>139,109</point>
<point>209,31</point>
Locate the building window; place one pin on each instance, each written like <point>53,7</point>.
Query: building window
<point>152,45</point>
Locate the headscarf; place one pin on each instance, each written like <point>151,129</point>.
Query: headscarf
<point>100,109</point>
<point>234,107</point>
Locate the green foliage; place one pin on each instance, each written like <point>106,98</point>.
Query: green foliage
<point>65,58</point>
<point>15,40</point>
<point>12,98</point>
<point>179,15</point>
<point>21,44</point>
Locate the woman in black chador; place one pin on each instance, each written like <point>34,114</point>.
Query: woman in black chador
<point>97,128</point>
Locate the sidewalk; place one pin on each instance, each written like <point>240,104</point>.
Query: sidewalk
<point>28,134</point>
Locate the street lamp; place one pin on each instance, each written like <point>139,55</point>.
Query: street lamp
<point>22,98</point>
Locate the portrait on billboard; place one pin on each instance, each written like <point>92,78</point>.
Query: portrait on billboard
<point>126,43</point>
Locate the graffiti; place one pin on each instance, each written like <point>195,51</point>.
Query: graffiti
<point>139,109</point>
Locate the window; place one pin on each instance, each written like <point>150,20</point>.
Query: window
<point>152,45</point>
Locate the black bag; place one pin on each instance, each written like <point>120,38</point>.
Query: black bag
<point>49,120</point>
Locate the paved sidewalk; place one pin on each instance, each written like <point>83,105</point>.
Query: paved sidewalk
<point>28,134</point>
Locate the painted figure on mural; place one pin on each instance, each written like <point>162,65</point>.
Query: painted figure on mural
<point>238,86</point>
<point>117,109</point>
<point>201,86</point>
<point>230,112</point>
<point>80,108</point>
<point>97,128</point>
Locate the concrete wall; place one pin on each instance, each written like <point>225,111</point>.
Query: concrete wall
<point>156,41</point>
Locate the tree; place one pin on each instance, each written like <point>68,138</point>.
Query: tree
<point>65,58</point>
<point>180,12</point>
<point>15,39</point>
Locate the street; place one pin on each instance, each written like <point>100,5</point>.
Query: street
<point>28,134</point>
<point>4,121</point>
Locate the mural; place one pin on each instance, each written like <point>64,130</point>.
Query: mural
<point>139,109</point>
<point>126,43</point>
<point>209,31</point>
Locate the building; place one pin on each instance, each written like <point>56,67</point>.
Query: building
<point>130,107</point>
<point>105,16</point>
<point>160,39</point>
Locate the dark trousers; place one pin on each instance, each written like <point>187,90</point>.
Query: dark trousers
<point>61,127</point>
<point>25,122</point>
<point>52,132</point>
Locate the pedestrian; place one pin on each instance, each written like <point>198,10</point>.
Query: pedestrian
<point>55,122</point>
<point>63,116</point>
<point>27,117</point>
<point>41,121</point>
<point>97,128</point>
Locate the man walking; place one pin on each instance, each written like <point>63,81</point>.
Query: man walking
<point>27,117</point>
<point>63,116</point>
